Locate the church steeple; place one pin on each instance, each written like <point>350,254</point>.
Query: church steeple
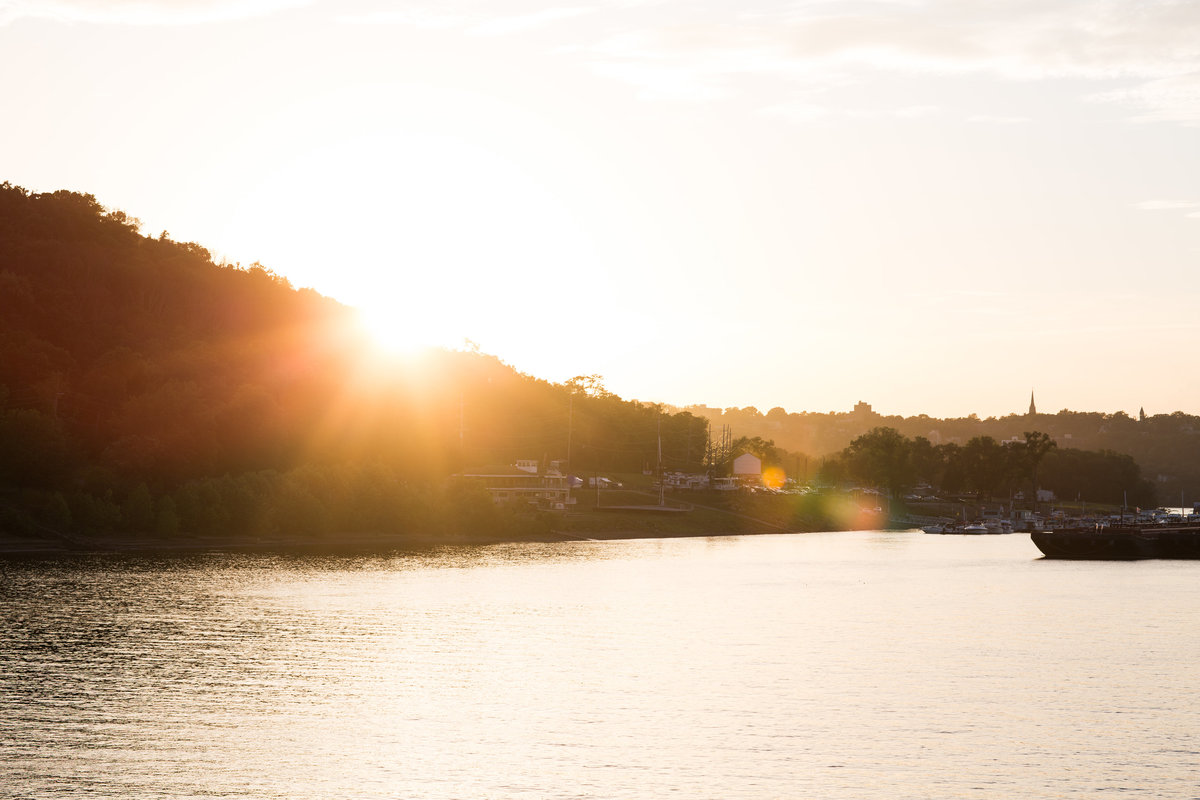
<point>1032,407</point>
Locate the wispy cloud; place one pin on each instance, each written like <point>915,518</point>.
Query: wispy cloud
<point>1148,47</point>
<point>416,17</point>
<point>1143,55</point>
<point>994,119</point>
<point>473,17</point>
<point>1191,207</point>
<point>504,25</point>
<point>918,112</point>
<point>686,63</point>
<point>1171,99</point>
<point>141,12</point>
<point>1166,205</point>
<point>805,112</point>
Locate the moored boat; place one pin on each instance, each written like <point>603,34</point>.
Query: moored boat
<point>1121,541</point>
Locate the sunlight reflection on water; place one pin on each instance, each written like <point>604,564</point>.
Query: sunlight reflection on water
<point>844,665</point>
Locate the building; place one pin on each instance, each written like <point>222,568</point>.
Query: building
<point>683,480</point>
<point>525,482</point>
<point>747,468</point>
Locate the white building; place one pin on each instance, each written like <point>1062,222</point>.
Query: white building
<point>747,468</point>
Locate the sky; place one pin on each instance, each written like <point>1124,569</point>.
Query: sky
<point>933,206</point>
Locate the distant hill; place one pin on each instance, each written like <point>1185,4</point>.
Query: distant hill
<point>1165,446</point>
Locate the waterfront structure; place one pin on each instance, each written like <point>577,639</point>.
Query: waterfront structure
<point>524,482</point>
<point>747,468</point>
<point>1124,540</point>
<point>684,480</point>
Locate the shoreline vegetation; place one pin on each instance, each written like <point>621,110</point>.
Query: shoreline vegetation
<point>478,521</point>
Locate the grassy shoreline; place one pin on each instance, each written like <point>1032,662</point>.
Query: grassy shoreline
<point>14,546</point>
<point>613,515</point>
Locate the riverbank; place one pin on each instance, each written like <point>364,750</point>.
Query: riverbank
<point>610,515</point>
<point>20,547</point>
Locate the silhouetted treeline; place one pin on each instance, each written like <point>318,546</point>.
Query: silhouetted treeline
<point>137,374</point>
<point>987,468</point>
<point>1166,446</point>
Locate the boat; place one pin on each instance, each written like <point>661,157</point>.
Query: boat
<point>1122,541</point>
<point>956,527</point>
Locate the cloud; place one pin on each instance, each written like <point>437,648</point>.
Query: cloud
<point>500,26</point>
<point>992,119</point>
<point>1143,55</point>
<point>1172,99</point>
<point>804,112</point>
<point>684,63</point>
<point>424,18</point>
<point>664,82</point>
<point>141,12</point>
<point>796,113</point>
<point>1190,206</point>
<point>472,16</point>
<point>1166,205</point>
<point>918,112</point>
<point>1147,47</point>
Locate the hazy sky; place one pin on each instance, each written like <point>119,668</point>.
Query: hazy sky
<point>930,205</point>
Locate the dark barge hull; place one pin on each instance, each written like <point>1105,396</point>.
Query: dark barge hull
<point>1121,543</point>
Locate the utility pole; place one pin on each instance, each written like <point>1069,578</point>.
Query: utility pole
<point>661,490</point>
<point>570,421</point>
<point>688,457</point>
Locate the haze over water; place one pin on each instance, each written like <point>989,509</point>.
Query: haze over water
<point>842,665</point>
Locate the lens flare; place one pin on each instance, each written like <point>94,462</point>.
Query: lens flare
<point>773,478</point>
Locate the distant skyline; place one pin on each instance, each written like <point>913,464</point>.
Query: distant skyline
<point>932,206</point>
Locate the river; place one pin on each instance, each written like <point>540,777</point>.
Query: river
<point>840,665</point>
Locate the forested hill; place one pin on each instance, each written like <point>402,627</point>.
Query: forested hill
<point>143,357</point>
<point>142,385</point>
<point>1166,446</point>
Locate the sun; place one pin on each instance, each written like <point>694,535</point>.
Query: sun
<point>405,331</point>
<point>434,237</point>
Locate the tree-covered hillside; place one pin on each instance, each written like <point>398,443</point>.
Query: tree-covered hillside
<point>145,388</point>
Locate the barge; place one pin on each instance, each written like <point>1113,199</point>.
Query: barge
<point>1121,542</point>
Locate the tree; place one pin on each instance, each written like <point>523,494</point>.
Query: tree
<point>137,512</point>
<point>765,449</point>
<point>34,450</point>
<point>926,460</point>
<point>1029,455</point>
<point>954,475</point>
<point>985,463</point>
<point>590,385</point>
<point>882,458</point>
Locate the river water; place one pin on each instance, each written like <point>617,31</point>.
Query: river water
<point>841,665</point>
